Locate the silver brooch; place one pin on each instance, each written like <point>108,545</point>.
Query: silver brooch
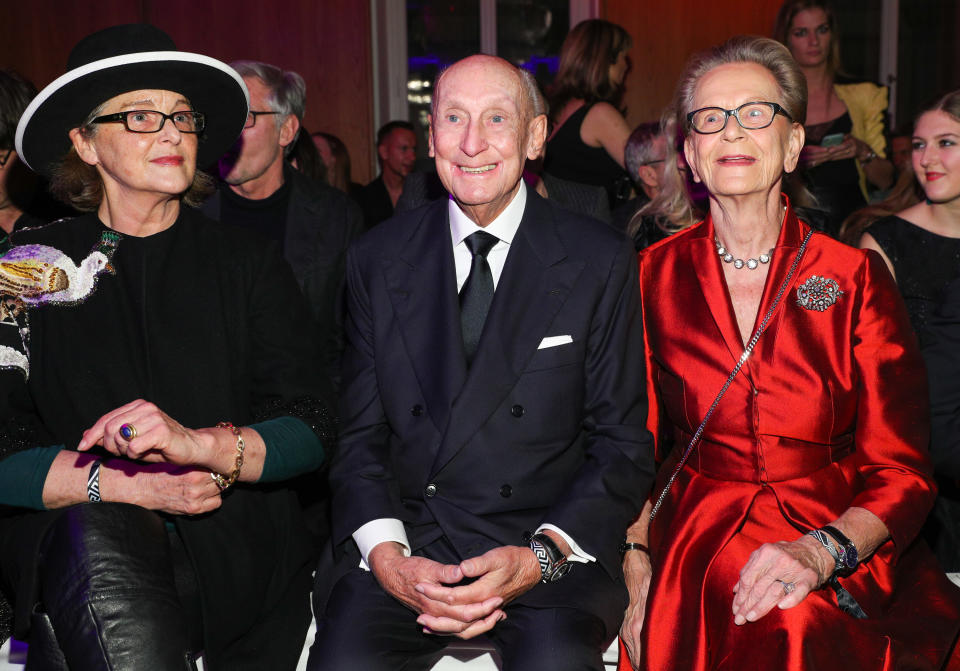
<point>818,293</point>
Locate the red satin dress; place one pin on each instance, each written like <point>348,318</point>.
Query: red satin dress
<point>829,412</point>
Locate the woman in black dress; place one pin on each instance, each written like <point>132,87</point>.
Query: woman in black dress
<point>921,247</point>
<point>588,132</point>
<point>845,144</point>
<point>130,538</point>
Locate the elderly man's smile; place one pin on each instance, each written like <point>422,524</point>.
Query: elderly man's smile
<point>478,170</point>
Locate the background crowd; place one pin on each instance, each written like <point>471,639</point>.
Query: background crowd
<point>209,413</point>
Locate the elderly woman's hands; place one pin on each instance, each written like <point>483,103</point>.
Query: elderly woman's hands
<point>156,436</point>
<point>779,574</point>
<point>176,490</point>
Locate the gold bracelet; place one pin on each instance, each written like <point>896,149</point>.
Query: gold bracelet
<point>224,482</point>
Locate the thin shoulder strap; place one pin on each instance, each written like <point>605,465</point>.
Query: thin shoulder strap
<point>733,374</point>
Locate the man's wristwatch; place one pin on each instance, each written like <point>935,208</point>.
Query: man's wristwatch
<point>553,563</point>
<point>849,557</point>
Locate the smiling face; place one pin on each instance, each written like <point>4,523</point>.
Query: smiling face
<point>809,37</point>
<point>161,163</point>
<point>737,161</point>
<point>936,156</point>
<point>482,134</point>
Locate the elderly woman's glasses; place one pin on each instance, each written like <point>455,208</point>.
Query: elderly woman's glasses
<point>252,118</point>
<point>752,116</point>
<point>151,121</point>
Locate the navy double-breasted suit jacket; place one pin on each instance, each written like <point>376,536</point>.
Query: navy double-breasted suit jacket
<point>527,435</point>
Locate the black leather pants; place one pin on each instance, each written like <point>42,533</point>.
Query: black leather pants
<point>108,589</point>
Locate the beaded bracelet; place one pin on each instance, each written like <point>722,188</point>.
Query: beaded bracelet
<point>224,482</point>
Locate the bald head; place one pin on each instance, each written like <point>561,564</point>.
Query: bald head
<point>485,125</point>
<point>532,102</point>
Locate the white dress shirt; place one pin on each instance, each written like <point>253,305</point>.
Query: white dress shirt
<point>504,227</point>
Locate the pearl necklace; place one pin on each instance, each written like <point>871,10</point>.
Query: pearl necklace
<point>751,264</point>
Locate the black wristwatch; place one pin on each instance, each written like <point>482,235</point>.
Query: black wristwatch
<point>553,563</point>
<point>847,563</point>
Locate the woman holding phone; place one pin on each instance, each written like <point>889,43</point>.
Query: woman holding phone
<point>845,145</point>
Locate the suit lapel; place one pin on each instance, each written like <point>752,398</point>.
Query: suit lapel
<point>536,281</point>
<point>422,283</point>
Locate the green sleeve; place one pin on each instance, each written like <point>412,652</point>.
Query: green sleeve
<point>292,448</point>
<point>23,474</point>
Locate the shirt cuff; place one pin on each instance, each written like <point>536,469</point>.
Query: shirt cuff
<point>576,552</point>
<point>374,532</point>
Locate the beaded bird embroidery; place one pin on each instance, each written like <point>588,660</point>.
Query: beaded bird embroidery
<point>35,275</point>
<point>39,274</point>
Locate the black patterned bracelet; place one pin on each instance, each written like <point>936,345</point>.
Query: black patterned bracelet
<point>93,482</point>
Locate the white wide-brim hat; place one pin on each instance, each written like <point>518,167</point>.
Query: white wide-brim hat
<point>129,58</point>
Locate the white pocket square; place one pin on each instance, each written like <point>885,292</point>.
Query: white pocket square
<point>553,341</point>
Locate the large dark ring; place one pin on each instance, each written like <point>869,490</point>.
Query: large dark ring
<point>128,432</point>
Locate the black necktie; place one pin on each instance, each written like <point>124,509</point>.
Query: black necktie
<point>477,292</point>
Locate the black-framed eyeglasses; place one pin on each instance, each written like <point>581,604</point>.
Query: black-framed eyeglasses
<point>6,157</point>
<point>151,121</point>
<point>752,116</point>
<point>252,118</point>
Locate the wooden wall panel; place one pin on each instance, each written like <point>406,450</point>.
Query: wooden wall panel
<point>36,36</point>
<point>665,35</point>
<point>327,42</point>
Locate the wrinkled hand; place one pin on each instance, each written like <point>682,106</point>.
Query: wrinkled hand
<point>410,580</point>
<point>637,571</point>
<point>502,574</point>
<point>171,489</point>
<point>159,438</point>
<point>761,583</point>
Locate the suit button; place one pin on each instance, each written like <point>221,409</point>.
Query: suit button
<point>416,410</point>
<point>517,411</point>
<point>506,491</point>
<point>430,490</point>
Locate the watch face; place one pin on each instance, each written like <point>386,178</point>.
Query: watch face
<point>561,571</point>
<point>850,558</point>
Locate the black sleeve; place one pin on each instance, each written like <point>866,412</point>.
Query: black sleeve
<point>942,356</point>
<point>287,378</point>
<point>323,285</point>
